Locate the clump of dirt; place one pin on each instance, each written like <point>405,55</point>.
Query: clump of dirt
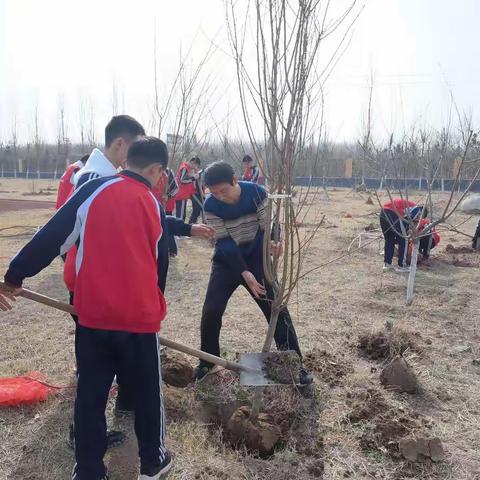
<point>282,367</point>
<point>386,345</point>
<point>369,200</point>
<point>399,376</point>
<point>370,227</point>
<point>329,368</point>
<point>260,435</point>
<point>421,448</point>
<point>459,256</point>
<point>179,403</point>
<point>387,429</point>
<point>177,370</point>
<point>465,249</point>
<point>367,405</point>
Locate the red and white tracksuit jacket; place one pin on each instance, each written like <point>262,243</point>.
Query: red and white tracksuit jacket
<point>116,224</point>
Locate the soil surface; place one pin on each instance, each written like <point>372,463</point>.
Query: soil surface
<point>344,426</point>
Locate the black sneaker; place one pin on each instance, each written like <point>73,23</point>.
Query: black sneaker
<point>114,438</point>
<point>200,373</point>
<point>306,378</point>
<point>75,475</point>
<point>157,472</point>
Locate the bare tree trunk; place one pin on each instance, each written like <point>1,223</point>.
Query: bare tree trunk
<point>413,272</point>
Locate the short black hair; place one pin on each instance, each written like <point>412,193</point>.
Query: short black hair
<point>219,172</point>
<point>147,151</point>
<point>196,160</point>
<point>122,126</point>
<point>85,158</point>
<point>247,158</point>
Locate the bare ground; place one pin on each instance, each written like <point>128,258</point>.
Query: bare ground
<point>352,430</point>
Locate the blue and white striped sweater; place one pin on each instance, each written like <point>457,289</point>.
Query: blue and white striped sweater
<point>239,228</point>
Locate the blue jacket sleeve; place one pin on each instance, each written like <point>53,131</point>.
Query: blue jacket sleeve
<point>55,238</point>
<point>176,226</point>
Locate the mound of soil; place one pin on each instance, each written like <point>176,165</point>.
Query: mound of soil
<point>369,404</point>
<point>328,367</point>
<point>399,376</point>
<point>179,403</point>
<point>298,419</point>
<point>465,249</point>
<point>369,201</point>
<point>177,370</point>
<point>460,256</point>
<point>282,367</point>
<point>387,429</point>
<point>387,345</point>
<point>259,436</point>
<point>420,448</point>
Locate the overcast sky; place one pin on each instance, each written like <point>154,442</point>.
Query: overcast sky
<point>416,49</point>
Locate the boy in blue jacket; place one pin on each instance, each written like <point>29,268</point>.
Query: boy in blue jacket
<point>236,211</point>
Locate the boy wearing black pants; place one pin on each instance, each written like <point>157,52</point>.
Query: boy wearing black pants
<point>236,211</point>
<point>116,223</point>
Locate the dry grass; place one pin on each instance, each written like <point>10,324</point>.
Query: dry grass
<point>333,307</point>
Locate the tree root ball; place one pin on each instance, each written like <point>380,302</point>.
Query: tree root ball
<point>260,435</point>
<point>177,370</point>
<point>399,376</point>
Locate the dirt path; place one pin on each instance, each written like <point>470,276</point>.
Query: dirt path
<point>11,205</point>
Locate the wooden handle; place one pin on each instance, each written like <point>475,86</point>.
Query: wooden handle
<point>207,357</point>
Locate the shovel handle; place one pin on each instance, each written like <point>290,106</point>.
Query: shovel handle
<point>39,298</point>
<point>207,357</point>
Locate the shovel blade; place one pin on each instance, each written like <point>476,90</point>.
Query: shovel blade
<point>257,378</point>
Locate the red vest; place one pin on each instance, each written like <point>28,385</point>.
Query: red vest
<point>423,223</point>
<point>159,190</point>
<point>65,187</point>
<point>185,190</point>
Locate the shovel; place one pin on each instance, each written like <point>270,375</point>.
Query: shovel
<point>250,366</point>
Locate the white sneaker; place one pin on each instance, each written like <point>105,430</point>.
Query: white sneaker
<point>402,269</point>
<point>387,267</point>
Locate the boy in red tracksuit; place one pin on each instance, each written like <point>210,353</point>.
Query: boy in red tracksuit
<point>394,227</point>
<point>429,241</point>
<point>116,223</point>
<point>165,191</point>
<point>186,176</point>
<point>66,185</point>
<point>251,173</point>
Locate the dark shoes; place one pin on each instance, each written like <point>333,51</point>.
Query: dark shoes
<point>157,472</point>
<point>75,475</point>
<point>114,438</point>
<point>200,373</point>
<point>306,378</point>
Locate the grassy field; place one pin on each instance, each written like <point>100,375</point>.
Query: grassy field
<point>348,426</point>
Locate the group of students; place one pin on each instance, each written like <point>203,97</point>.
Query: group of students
<point>397,218</point>
<point>113,232</point>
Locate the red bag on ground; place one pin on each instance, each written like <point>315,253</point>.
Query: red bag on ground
<point>24,390</point>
